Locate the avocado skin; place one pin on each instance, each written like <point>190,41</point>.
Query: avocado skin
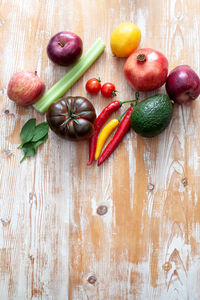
<point>151,116</point>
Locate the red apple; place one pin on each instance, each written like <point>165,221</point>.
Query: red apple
<point>183,84</point>
<point>25,88</point>
<point>146,69</point>
<point>64,48</point>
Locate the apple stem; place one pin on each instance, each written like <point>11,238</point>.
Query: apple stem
<point>141,57</point>
<point>35,73</point>
<point>61,44</point>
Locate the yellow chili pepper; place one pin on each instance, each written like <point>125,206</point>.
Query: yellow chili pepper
<point>106,131</point>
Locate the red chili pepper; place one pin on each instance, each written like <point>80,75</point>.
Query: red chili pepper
<point>120,133</point>
<point>100,121</point>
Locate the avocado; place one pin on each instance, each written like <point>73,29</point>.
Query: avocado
<point>151,116</point>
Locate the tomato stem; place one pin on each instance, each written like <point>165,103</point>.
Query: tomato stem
<point>114,93</point>
<point>98,79</point>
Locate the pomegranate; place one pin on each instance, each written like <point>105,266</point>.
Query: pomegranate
<point>146,69</point>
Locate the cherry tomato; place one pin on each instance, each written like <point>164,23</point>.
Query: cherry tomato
<point>108,90</point>
<point>93,86</point>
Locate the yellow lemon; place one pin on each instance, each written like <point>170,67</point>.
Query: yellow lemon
<point>125,39</point>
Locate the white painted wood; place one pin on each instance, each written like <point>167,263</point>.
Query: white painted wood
<point>51,237</point>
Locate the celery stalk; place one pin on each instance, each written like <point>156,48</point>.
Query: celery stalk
<point>64,84</point>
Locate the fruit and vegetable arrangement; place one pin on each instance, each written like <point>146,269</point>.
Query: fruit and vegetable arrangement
<point>74,117</point>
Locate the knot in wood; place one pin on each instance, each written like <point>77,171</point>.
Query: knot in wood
<point>150,186</point>
<point>102,210</point>
<point>92,279</point>
<point>167,266</point>
<point>185,181</point>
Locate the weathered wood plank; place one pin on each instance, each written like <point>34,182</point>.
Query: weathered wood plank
<point>130,228</point>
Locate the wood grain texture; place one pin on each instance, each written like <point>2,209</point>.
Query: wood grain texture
<point>53,242</point>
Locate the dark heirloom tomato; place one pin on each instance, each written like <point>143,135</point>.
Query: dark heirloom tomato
<point>72,118</point>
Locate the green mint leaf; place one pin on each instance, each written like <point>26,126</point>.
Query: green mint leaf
<point>29,150</point>
<point>27,131</point>
<point>38,143</point>
<point>33,136</point>
<point>40,131</point>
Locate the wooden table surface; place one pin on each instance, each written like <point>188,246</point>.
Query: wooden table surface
<point>53,242</point>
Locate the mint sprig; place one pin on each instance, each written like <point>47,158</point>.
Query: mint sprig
<point>32,137</point>
<point>27,132</point>
<point>40,131</point>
